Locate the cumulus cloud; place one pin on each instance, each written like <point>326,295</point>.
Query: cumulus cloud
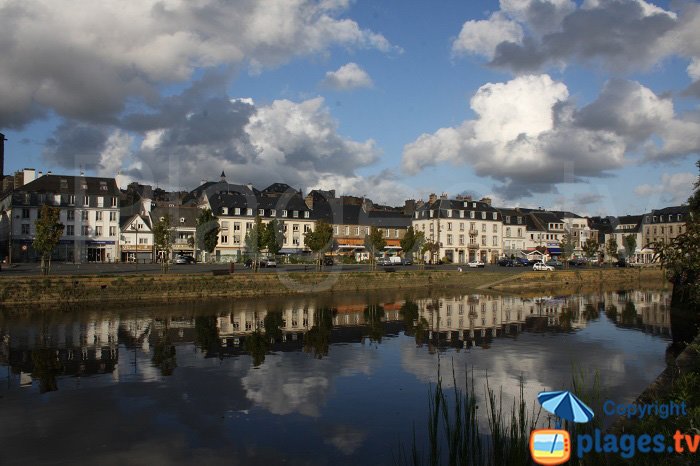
<point>527,35</point>
<point>347,77</point>
<point>530,136</point>
<point>85,59</point>
<point>673,188</point>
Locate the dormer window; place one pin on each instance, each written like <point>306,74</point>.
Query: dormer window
<point>474,205</point>
<point>114,202</point>
<point>306,214</point>
<point>273,213</point>
<point>495,216</point>
<point>284,213</point>
<point>83,185</point>
<point>162,219</point>
<point>237,211</point>
<point>182,219</point>
<point>64,184</point>
<point>86,201</point>
<point>466,204</point>
<point>472,214</point>
<point>103,186</point>
<point>224,211</point>
<point>249,211</point>
<point>261,212</point>
<point>295,213</point>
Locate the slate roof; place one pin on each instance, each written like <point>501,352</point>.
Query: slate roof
<point>189,214</point>
<point>443,205</point>
<point>42,191</point>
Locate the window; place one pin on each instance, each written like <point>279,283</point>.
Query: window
<point>284,213</point>
<point>495,216</point>
<point>114,202</point>
<point>25,213</point>
<point>86,201</point>
<point>483,215</point>
<point>507,231</point>
<point>236,226</point>
<point>237,211</point>
<point>84,215</point>
<point>335,230</point>
<point>70,215</point>
<point>295,228</point>
<point>249,211</point>
<point>112,216</point>
<point>367,231</point>
<point>507,218</point>
<point>347,230</point>
<point>273,213</point>
<point>224,211</point>
<point>307,228</point>
<point>495,228</point>
<point>461,240</point>
<point>103,186</point>
<point>71,200</point>
<point>236,239</point>
<point>224,226</point>
<point>495,241</point>
<point>520,232</point>
<point>98,231</point>
<point>224,239</point>
<point>449,226</point>
<point>449,213</point>
<point>70,230</point>
<point>461,214</point>
<point>98,215</point>
<point>449,240</point>
<point>100,201</point>
<point>396,233</point>
<point>261,212</point>
<point>143,240</point>
<point>112,231</point>
<point>472,214</point>
<point>85,230</point>
<point>483,228</point>
<point>25,228</point>
<point>357,231</point>
<point>306,214</point>
<point>483,241</point>
<point>295,213</point>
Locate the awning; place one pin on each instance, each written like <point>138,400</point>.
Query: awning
<point>554,251</point>
<point>393,247</point>
<point>350,246</point>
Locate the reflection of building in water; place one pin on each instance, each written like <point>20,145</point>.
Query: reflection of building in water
<point>648,310</point>
<point>354,314</point>
<point>73,348</point>
<point>470,320</point>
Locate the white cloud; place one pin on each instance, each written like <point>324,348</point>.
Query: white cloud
<point>349,76</point>
<point>482,36</point>
<point>109,51</point>
<point>673,188</point>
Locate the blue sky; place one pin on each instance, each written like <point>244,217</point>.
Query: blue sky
<point>590,106</point>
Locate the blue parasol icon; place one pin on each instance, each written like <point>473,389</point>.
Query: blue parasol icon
<point>565,405</point>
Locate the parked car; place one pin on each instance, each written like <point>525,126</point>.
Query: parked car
<point>577,262</point>
<point>383,261</point>
<point>268,263</point>
<point>506,263</point>
<point>184,260</point>
<point>328,261</point>
<point>542,266</point>
<point>476,263</point>
<point>554,263</point>
<point>395,260</point>
<point>622,263</point>
<point>407,261</point>
<point>521,262</point>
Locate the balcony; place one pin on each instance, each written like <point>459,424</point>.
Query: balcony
<point>473,232</point>
<point>473,246</point>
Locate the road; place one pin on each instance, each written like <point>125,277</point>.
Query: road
<point>60,268</point>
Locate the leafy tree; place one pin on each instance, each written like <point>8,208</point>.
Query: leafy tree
<point>412,242</point>
<point>611,248</point>
<point>163,239</point>
<point>681,256</point>
<point>274,236</point>
<point>317,339</point>
<point>567,246</point>
<point>273,323</point>
<point>374,315</point>
<point>431,247</point>
<point>374,243</point>
<point>206,333</point>
<point>45,367</point>
<point>165,356</point>
<point>629,242</point>
<point>207,233</point>
<point>590,247</point>
<point>255,240</point>
<point>257,344</point>
<point>49,230</point>
<point>319,240</point>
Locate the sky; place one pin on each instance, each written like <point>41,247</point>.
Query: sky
<point>590,106</point>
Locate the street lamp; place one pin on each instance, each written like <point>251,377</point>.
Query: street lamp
<point>134,227</point>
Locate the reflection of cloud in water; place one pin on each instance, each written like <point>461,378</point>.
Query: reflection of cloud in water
<point>347,439</point>
<point>547,362</point>
<point>297,382</point>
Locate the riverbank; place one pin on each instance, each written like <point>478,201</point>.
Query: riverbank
<point>166,288</point>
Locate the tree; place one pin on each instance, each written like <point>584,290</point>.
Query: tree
<point>611,248</point>
<point>629,242</point>
<point>163,239</point>
<point>274,236</point>
<point>408,242</point>
<point>590,247</point>
<point>319,240</point>
<point>207,233</point>
<point>681,256</point>
<point>431,247</point>
<point>567,246</point>
<point>48,233</point>
<point>255,240</point>
<point>374,243</point>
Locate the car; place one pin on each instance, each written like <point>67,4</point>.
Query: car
<point>407,262</point>
<point>383,261</point>
<point>506,263</point>
<point>268,263</point>
<point>476,263</point>
<point>554,263</point>
<point>543,267</point>
<point>521,262</point>
<point>577,262</point>
<point>328,261</point>
<point>622,263</point>
<point>184,260</point>
<point>248,263</point>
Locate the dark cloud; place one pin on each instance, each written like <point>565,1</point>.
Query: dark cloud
<point>693,90</point>
<point>75,144</point>
<point>620,34</point>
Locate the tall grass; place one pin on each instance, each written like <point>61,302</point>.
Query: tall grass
<point>453,429</point>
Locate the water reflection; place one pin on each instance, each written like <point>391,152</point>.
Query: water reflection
<point>312,380</point>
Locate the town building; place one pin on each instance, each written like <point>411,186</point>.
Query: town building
<point>464,229</point>
<point>661,226</point>
<point>89,210</point>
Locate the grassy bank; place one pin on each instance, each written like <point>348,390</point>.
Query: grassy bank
<point>105,288</point>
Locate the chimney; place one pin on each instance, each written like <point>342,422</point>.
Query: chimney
<point>432,198</point>
<point>486,200</point>
<point>443,196</point>
<point>309,201</point>
<point>40,174</point>
<point>2,156</point>
<point>29,176</point>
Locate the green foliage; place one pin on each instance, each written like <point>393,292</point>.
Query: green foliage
<point>274,236</point>
<point>629,242</point>
<point>257,344</point>
<point>317,339</point>
<point>374,243</point>
<point>431,247</point>
<point>611,248</point>
<point>590,248</point>
<point>681,256</point>
<point>255,240</point>
<point>319,240</point>
<point>567,246</point>
<point>412,242</point>
<point>49,230</point>
<point>163,238</point>
<point>374,318</point>
<point>207,232</point>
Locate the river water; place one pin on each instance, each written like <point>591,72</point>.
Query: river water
<point>331,379</point>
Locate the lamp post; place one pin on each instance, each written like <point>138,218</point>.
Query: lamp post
<point>134,226</point>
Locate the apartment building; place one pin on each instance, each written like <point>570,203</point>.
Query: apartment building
<point>466,230</point>
<point>89,210</point>
<point>661,226</point>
